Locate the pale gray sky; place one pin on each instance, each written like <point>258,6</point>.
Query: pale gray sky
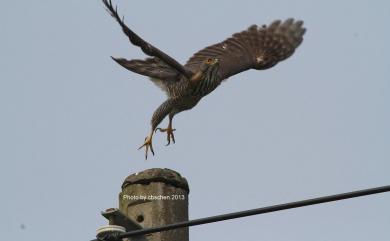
<point>316,124</point>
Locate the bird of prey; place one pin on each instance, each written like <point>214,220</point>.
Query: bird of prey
<point>258,47</point>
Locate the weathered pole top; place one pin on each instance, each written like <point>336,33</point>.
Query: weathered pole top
<point>163,175</point>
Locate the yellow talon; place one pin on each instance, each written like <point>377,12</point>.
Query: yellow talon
<point>148,144</point>
<point>170,135</point>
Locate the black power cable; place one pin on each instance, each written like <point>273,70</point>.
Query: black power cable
<point>251,212</point>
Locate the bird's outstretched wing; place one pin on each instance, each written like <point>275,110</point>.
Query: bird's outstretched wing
<point>160,73</point>
<point>145,46</point>
<point>152,67</point>
<point>255,48</point>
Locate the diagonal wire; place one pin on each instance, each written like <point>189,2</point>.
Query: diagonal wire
<point>256,211</point>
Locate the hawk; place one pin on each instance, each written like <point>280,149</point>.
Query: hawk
<point>258,47</point>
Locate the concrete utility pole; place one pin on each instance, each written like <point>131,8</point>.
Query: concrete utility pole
<point>156,197</point>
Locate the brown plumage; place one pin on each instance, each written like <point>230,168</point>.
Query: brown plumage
<point>255,48</point>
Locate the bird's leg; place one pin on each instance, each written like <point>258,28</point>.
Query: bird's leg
<point>169,130</point>
<point>148,144</point>
<point>159,114</point>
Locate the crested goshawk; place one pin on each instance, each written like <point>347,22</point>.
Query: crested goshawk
<point>258,47</point>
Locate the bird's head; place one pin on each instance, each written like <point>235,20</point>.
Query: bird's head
<point>208,68</point>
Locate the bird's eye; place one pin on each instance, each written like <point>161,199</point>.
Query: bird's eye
<point>209,60</point>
